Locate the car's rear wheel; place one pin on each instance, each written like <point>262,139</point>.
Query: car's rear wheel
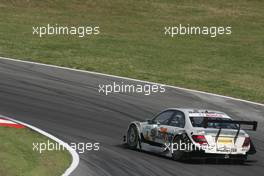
<point>242,160</point>
<point>132,137</point>
<point>178,153</point>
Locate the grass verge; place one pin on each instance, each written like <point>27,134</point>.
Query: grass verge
<point>132,43</point>
<point>18,158</point>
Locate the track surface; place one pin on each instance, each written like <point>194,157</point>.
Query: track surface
<point>67,104</point>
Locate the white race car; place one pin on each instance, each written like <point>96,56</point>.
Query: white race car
<point>190,133</point>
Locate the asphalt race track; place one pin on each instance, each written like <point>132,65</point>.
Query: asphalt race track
<point>68,105</point>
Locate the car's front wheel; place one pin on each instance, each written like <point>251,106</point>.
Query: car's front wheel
<point>132,137</point>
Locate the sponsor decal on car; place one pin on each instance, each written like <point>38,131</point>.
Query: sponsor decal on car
<point>224,140</point>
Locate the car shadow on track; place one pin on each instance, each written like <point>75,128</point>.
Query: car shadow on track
<point>208,161</point>
<point>217,162</point>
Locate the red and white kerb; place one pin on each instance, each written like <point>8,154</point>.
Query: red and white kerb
<point>9,123</point>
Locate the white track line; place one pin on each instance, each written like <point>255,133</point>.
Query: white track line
<point>120,77</point>
<point>75,156</point>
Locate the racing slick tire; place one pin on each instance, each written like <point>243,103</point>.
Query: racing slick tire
<point>177,154</point>
<point>132,137</point>
<point>241,160</point>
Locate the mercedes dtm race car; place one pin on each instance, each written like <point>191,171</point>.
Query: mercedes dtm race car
<point>190,133</point>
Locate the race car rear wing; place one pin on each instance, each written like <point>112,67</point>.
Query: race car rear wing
<point>254,125</point>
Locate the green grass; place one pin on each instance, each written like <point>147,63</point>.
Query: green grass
<point>132,43</point>
<point>18,158</point>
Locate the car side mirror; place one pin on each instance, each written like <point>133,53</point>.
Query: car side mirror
<point>150,121</point>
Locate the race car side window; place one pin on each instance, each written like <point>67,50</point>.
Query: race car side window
<point>178,120</point>
<point>164,117</point>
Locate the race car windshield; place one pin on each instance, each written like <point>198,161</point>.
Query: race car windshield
<point>199,122</point>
